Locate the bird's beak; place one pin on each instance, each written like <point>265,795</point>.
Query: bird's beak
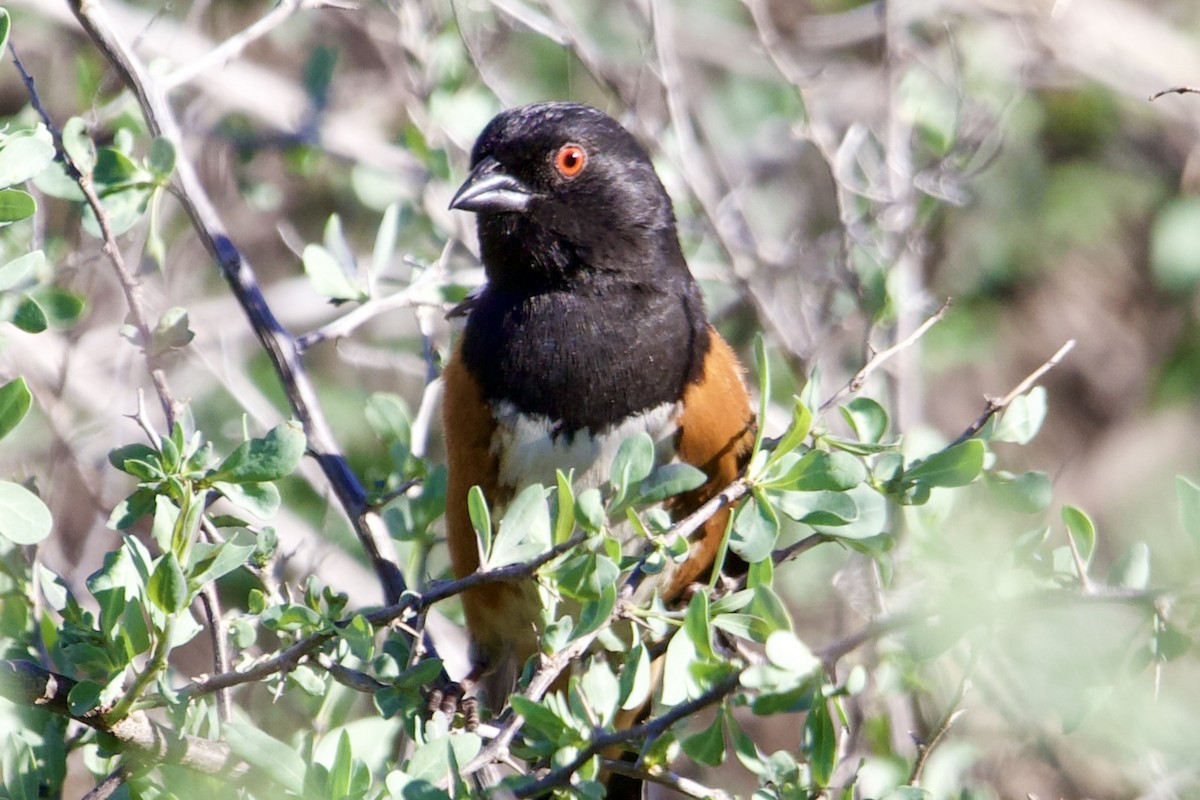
<point>491,190</point>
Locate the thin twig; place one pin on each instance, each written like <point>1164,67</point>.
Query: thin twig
<point>232,47</point>
<point>216,633</point>
<point>112,782</point>
<point>953,712</point>
<point>995,406</point>
<point>878,359</point>
<point>1175,90</point>
<point>346,324</point>
<point>650,729</point>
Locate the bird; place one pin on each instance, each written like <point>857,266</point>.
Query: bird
<point>589,329</point>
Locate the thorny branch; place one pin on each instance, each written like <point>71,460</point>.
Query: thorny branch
<point>878,359</point>
<point>995,406</point>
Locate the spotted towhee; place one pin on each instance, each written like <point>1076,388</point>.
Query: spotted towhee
<point>590,329</point>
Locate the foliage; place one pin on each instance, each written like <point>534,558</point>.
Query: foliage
<point>964,581</point>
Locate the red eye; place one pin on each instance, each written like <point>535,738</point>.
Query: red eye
<point>570,160</point>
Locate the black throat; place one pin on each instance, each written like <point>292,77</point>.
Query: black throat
<point>588,349</point>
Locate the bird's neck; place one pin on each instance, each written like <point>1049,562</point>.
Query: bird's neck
<point>518,254</point>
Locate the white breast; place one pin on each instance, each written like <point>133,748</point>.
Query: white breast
<point>531,451</point>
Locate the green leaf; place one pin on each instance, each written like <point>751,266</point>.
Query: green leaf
<point>820,743</point>
<point>585,575</point>
<point>670,480</point>
<point>815,471</point>
<point>440,757</point>
<point>1169,643</point>
<point>132,509</point>
<point>866,418</point>
<point>62,308</point>
<point>318,73</point>
<point>707,746</point>
<point>796,432</point>
<point>635,680</point>
<point>5,25</point>
<point>564,521</point>
<point>1132,569</point>
<point>767,607</point>
<point>83,697</point>
<point>631,465</point>
<point>329,278</point>
<point>171,332</point>
<point>124,209</point>
<point>343,768</point>
<point>755,530</point>
<point>260,499</point>
<point>907,793</point>
<point>389,418</point>
<point>595,613</point>
<point>1175,245</point>
<point>270,458</point>
<point>161,159</point>
<point>360,637</point>
<point>697,625</point>
<point>79,146</point>
<point>279,761</point>
<point>16,205</point>
<point>816,508</point>
<point>24,156</point>
<point>114,168</point>
<point>1082,531</point>
<point>1030,493</point>
<point>24,518</point>
<point>784,650</point>
<point>385,239</point>
<point>168,588</point>
<point>1188,494</point>
<point>954,466</point>
<point>29,316</point>
<point>22,271</point>
<point>481,518</point>
<point>524,531</point>
<point>589,510</point>
<point>15,400</point>
<point>1023,418</point>
<point>212,561</point>
<point>870,521</point>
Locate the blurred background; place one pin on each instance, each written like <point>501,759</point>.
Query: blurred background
<point>840,170</point>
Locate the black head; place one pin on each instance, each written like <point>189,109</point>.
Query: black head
<point>563,191</point>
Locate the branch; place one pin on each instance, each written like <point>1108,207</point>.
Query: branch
<point>410,603</point>
<point>877,360</point>
<point>346,324</point>
<point>877,628</point>
<point>28,684</point>
<point>649,729</point>
<point>1175,90</point>
<point>129,286</point>
<point>279,345</point>
<point>995,406</point>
